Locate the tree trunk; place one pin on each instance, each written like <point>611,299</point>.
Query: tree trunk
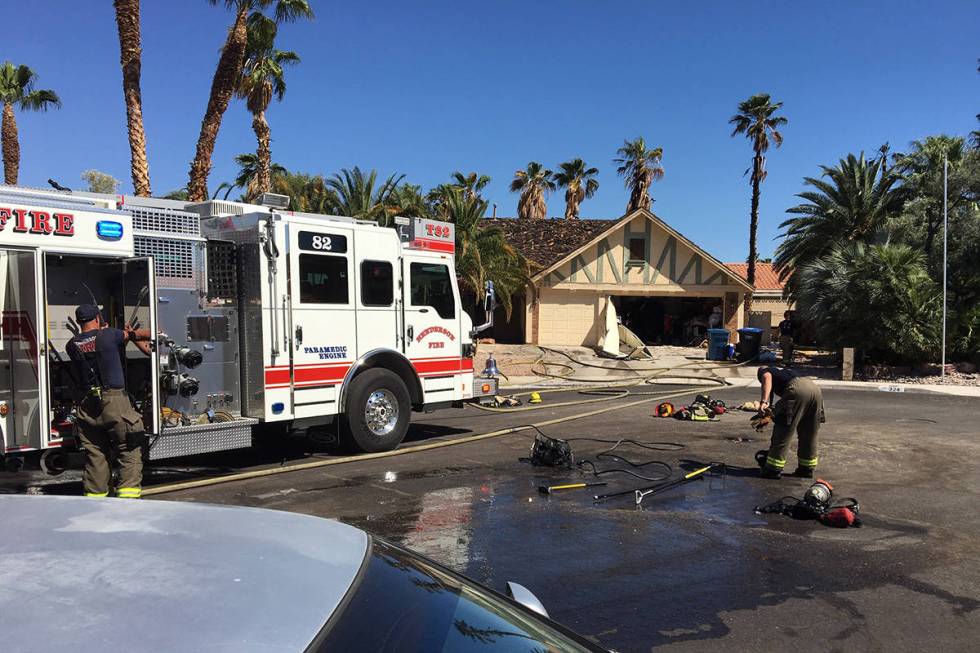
<point>128,22</point>
<point>639,197</point>
<point>222,88</point>
<point>11,148</point>
<point>263,175</point>
<point>571,206</point>
<point>754,217</point>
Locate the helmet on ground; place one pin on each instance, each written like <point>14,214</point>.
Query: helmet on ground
<point>665,409</point>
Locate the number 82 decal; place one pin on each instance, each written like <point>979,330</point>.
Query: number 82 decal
<point>321,242</point>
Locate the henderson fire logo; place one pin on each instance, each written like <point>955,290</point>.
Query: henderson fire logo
<point>37,222</point>
<point>435,329</point>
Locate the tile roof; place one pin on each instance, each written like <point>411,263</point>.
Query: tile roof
<point>546,242</point>
<point>766,277</point>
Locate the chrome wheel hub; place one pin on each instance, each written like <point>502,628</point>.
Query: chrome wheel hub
<point>381,412</point>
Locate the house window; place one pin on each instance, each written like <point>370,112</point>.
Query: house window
<point>638,249</point>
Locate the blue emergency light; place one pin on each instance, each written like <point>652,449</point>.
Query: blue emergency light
<point>109,230</point>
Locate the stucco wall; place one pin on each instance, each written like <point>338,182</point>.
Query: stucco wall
<point>775,305</point>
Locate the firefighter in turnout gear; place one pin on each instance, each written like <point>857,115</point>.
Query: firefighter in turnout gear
<point>106,419</point>
<point>799,410</point>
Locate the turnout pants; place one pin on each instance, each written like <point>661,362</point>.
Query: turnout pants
<point>108,424</point>
<point>786,342</point>
<point>800,411</point>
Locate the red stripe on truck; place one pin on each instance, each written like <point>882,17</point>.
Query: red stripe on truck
<point>279,377</point>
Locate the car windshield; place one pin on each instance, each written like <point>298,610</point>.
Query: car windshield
<point>404,603</point>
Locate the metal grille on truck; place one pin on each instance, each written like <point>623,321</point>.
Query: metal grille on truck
<point>164,221</point>
<point>176,261</point>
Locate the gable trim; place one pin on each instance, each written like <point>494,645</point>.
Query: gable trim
<point>722,268</point>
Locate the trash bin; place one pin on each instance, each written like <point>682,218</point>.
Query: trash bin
<point>749,341</point>
<point>717,344</point>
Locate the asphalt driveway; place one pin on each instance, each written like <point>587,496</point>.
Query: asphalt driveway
<point>695,569</point>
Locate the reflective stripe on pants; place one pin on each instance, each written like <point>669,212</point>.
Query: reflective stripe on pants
<point>777,463</point>
<point>129,493</point>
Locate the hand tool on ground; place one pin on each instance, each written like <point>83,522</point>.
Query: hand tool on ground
<point>551,489</point>
<point>640,495</point>
<point>653,489</point>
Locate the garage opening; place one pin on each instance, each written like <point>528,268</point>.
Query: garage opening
<point>669,320</point>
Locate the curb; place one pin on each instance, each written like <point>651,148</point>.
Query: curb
<point>925,388</point>
<point>881,386</point>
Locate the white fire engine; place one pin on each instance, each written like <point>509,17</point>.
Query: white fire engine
<point>267,320</point>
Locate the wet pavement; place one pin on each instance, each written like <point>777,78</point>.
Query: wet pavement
<point>694,568</point>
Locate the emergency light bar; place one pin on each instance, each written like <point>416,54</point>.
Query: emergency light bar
<point>274,201</point>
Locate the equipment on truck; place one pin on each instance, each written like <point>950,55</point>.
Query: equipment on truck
<point>281,321</point>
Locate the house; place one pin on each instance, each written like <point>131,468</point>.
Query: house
<point>767,298</point>
<point>664,286</point>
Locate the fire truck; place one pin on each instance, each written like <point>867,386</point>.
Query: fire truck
<point>269,322</point>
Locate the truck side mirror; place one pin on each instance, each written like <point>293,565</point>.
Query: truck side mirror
<point>489,300</point>
<point>489,304</point>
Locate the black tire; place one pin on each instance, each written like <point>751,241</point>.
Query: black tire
<point>384,391</point>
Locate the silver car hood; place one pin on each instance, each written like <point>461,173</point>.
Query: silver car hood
<point>114,574</point>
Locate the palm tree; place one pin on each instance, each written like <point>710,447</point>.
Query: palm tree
<point>470,184</point>
<point>482,253</point>
<point>438,198</point>
<point>874,297</point>
<point>262,79</point>
<point>533,183</point>
<point>408,200</point>
<point>17,88</point>
<point>580,183</point>
<point>355,195</point>
<point>307,193</point>
<point>639,167</point>
<point>975,134</point>
<point>128,24</point>
<point>850,202</point>
<point>756,119</point>
<point>248,170</point>
<point>227,77</point>
<point>922,173</point>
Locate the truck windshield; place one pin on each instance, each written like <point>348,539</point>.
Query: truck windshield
<point>405,603</point>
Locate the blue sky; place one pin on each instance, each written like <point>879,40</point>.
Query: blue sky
<point>428,87</point>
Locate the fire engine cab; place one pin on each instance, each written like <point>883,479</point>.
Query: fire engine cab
<point>268,320</point>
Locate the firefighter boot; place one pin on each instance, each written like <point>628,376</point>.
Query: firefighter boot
<point>803,471</point>
<point>771,472</point>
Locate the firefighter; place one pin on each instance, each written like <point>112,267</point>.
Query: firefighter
<point>799,410</point>
<point>786,335</point>
<point>106,418</point>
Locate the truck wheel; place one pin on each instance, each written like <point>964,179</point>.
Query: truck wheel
<point>378,410</point>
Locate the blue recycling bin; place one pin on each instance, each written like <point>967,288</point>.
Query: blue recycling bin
<point>717,344</point>
<point>749,343</point>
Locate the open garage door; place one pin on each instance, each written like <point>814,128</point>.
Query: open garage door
<point>668,320</point>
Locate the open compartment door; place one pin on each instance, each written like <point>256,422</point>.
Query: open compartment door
<point>140,301</point>
<point>22,375</point>
<point>124,291</point>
